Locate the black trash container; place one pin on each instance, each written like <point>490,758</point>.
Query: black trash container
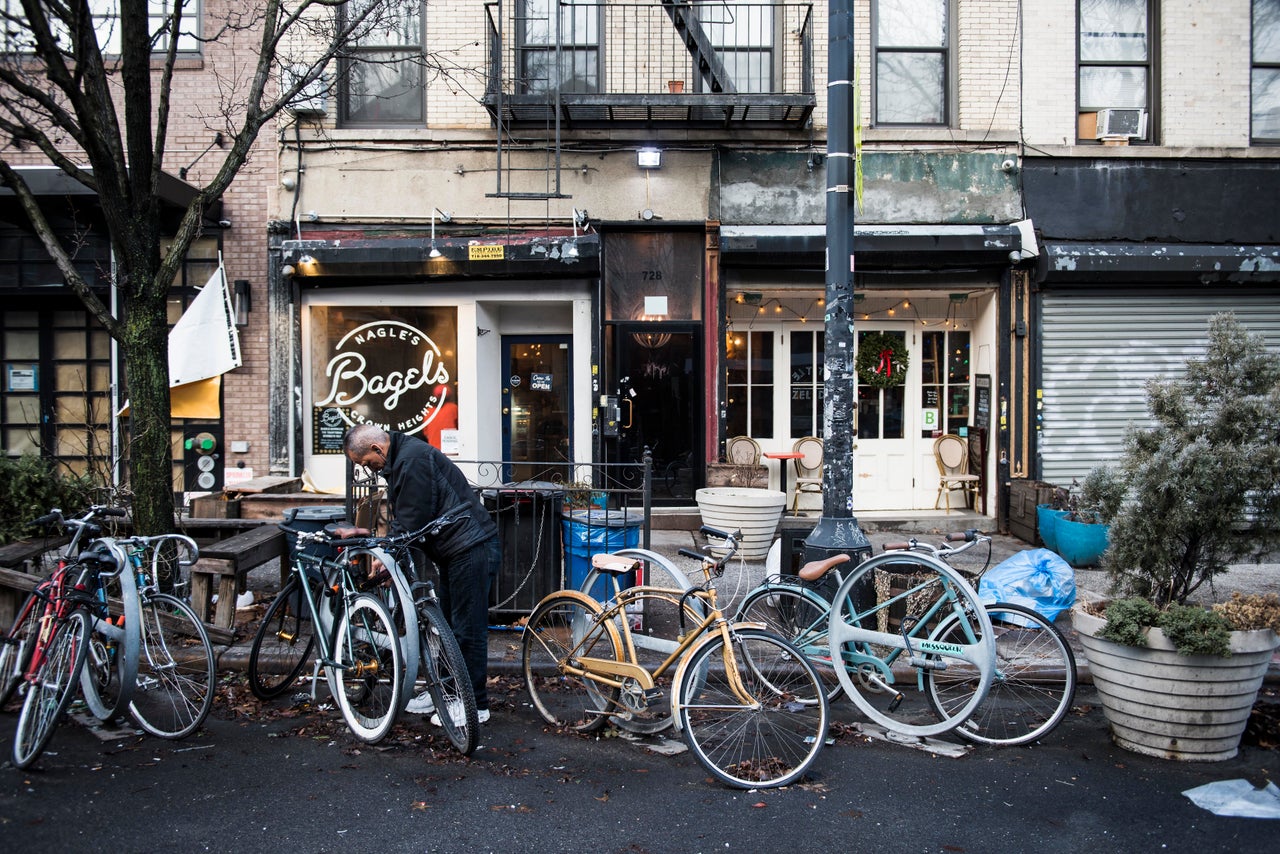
<point>311,519</point>
<point>528,514</point>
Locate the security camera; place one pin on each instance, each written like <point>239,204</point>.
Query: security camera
<point>1008,165</point>
<point>225,223</point>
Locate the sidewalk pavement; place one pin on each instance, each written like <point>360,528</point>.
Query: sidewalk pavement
<point>741,576</point>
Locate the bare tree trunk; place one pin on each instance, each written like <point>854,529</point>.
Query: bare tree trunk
<point>145,350</point>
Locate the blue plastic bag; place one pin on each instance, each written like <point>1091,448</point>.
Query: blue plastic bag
<point>1037,579</point>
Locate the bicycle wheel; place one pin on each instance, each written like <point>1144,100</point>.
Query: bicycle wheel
<point>447,679</point>
<point>51,688</point>
<point>883,627</point>
<point>366,680</point>
<point>563,628</point>
<point>16,645</point>
<point>111,661</point>
<point>799,615</point>
<point>770,736</point>
<point>1033,686</point>
<point>282,645</point>
<point>176,670</point>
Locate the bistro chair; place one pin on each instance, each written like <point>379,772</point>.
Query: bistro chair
<point>808,469</point>
<point>952,455</point>
<point>742,451</point>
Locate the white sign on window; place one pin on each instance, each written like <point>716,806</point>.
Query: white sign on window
<point>929,419</point>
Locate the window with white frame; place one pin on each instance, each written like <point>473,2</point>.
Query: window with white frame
<point>17,36</point>
<point>1116,65</point>
<point>912,41</point>
<point>578,31</point>
<point>381,73</point>
<point>749,362</point>
<point>1265,84</point>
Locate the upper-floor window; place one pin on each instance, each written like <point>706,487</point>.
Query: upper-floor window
<point>1116,64</point>
<point>742,35</point>
<point>578,31</point>
<point>1265,118</point>
<point>380,76</point>
<point>912,42</point>
<point>17,38</point>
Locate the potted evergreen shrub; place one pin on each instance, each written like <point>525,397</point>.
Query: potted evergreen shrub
<point>1195,491</point>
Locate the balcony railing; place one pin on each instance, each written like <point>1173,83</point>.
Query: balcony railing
<point>678,64</point>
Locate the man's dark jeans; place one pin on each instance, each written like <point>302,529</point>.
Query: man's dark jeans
<point>465,582</point>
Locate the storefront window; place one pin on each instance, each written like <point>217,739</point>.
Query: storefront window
<point>807,383</point>
<point>749,358</point>
<point>391,366</point>
<point>944,383</point>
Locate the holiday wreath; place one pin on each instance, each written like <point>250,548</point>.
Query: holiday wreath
<point>882,360</point>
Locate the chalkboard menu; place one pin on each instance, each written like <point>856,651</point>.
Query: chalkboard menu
<point>982,406</point>
<point>328,428</point>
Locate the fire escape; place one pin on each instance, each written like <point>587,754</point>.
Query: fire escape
<point>558,66</point>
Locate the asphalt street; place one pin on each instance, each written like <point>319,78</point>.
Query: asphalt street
<point>288,775</point>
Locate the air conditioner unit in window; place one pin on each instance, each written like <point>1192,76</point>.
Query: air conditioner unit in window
<point>312,99</point>
<point>1129,123</point>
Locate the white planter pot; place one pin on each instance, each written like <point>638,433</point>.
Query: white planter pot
<point>755,512</point>
<point>1161,703</point>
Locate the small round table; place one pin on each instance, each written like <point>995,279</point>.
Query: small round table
<point>782,457</point>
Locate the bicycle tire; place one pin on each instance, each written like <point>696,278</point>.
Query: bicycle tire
<point>800,615</point>
<point>563,626</point>
<point>51,688</point>
<point>1033,686</point>
<point>16,645</point>
<point>366,681</point>
<point>111,660</point>
<point>766,743</point>
<point>448,680</point>
<point>176,670</point>
<point>879,674</point>
<point>396,593</point>
<point>283,644</point>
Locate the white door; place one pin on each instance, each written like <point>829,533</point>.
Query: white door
<point>884,454</point>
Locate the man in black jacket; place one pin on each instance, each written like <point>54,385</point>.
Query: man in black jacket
<point>423,485</point>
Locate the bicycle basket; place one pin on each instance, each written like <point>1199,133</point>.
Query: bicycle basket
<point>890,582</point>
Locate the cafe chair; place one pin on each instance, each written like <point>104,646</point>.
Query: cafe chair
<point>742,451</point>
<point>808,469</point>
<point>952,455</point>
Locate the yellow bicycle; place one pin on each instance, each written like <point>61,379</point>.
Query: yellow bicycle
<point>749,705</point>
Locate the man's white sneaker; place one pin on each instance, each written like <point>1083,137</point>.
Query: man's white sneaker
<point>421,705</point>
<point>455,712</point>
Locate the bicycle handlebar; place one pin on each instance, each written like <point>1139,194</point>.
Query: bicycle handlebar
<point>710,562</point>
<point>970,538</point>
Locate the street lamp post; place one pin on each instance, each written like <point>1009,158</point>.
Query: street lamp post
<point>837,530</point>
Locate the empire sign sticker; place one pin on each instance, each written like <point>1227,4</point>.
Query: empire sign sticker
<point>485,252</point>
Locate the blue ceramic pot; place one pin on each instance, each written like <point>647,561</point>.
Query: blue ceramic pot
<point>1046,523</point>
<point>1080,543</point>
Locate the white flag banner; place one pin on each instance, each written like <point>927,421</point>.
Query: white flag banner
<point>204,343</point>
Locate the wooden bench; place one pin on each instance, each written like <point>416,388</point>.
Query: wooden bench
<point>224,566</point>
<point>21,554</point>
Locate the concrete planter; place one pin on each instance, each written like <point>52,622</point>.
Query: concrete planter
<point>755,512</point>
<point>1186,707</point>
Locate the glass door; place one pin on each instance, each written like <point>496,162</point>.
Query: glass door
<point>535,406</point>
<point>884,454</point>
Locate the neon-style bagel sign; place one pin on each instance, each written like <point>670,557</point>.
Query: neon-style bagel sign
<point>389,398</point>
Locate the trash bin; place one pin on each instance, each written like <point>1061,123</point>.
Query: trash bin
<point>311,519</point>
<point>591,532</point>
<point>526,513</point>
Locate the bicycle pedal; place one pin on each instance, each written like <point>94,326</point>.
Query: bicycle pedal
<point>651,696</point>
<point>896,701</point>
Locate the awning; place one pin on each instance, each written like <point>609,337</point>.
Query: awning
<point>1163,262</point>
<point>174,193</point>
<point>561,255</point>
<point>914,247</point>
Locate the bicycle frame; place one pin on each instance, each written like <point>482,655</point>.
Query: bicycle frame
<point>613,673</point>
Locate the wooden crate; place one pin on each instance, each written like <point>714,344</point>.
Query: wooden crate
<point>1024,495</point>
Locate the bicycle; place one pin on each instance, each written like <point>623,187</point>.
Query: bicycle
<point>66,604</point>
<point>878,637</point>
<point>429,641</point>
<point>1034,683</point>
<point>148,652</point>
<point>747,702</point>
<point>357,643</point>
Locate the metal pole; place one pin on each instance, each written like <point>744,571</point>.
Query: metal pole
<point>838,531</point>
